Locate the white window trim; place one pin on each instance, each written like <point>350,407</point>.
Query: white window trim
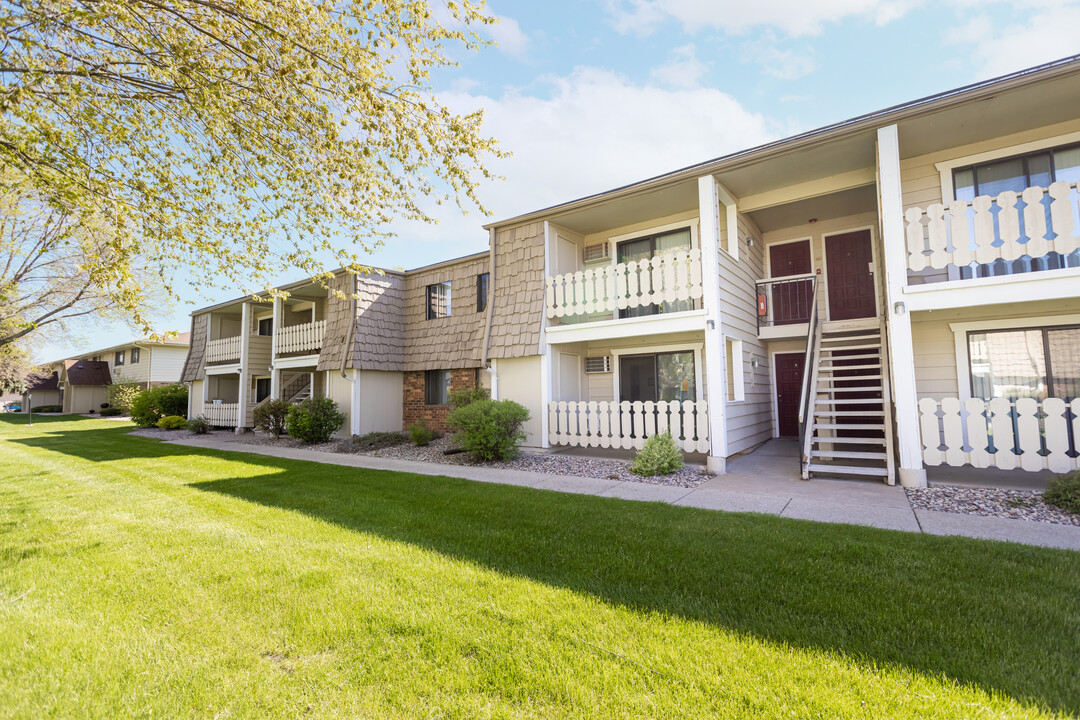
<point>945,167</point>
<point>689,224</point>
<point>696,348</point>
<point>738,372</point>
<point>961,330</point>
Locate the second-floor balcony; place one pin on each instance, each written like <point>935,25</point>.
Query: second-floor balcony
<point>664,283</point>
<point>223,350</point>
<point>302,338</point>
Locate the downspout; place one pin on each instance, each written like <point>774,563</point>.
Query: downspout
<point>354,400</point>
<point>492,284</point>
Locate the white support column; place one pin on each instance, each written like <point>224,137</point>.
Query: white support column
<point>709,219</point>
<point>545,349</point>
<point>901,348</point>
<point>354,413</point>
<point>245,377</point>
<point>275,382</point>
<point>276,329</point>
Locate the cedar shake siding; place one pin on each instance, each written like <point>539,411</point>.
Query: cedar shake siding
<point>518,292</point>
<point>193,364</point>
<point>415,409</point>
<point>378,342</point>
<point>445,342</point>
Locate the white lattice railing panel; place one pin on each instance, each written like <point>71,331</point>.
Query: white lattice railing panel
<point>1023,434</point>
<point>298,338</point>
<point>222,414</point>
<point>223,350</point>
<point>669,277</point>
<point>627,424</point>
<point>1036,222</point>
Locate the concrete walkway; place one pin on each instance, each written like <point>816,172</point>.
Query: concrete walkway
<point>765,481</point>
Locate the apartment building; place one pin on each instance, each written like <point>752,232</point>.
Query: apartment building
<point>897,292</point>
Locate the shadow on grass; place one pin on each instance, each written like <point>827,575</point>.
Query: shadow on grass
<point>1003,617</point>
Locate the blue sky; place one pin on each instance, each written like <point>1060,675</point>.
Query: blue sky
<point>593,94</point>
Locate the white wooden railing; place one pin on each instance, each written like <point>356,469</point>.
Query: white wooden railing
<point>627,424</point>
<point>966,232</point>
<point>1025,434</point>
<point>222,414</point>
<point>669,277</point>
<point>223,350</point>
<point>297,338</point>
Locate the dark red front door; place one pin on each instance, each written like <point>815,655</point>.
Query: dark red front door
<point>791,301</point>
<point>789,379</point>
<point>848,258</point>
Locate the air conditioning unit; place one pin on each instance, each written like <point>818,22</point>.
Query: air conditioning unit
<point>597,252</point>
<point>600,364</point>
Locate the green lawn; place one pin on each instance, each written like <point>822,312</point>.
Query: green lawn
<point>139,579</point>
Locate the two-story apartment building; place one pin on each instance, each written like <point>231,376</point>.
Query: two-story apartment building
<point>898,291</point>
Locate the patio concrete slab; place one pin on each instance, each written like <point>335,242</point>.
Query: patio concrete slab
<point>884,517</point>
<point>1027,532</point>
<point>734,501</point>
<point>646,492</point>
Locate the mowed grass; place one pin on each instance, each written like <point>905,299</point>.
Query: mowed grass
<point>139,579</point>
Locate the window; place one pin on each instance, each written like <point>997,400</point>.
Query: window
<point>736,384</point>
<point>118,358</point>
<point>646,248</point>
<point>135,355</point>
<point>436,387</point>
<point>1025,363</point>
<point>262,389</point>
<point>438,300</point>
<point>663,376</point>
<point>481,292</point>
<point>266,326</point>
<point>1017,173</point>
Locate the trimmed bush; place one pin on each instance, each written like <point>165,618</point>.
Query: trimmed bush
<point>421,434</point>
<point>111,412</point>
<point>151,405</point>
<point>47,408</point>
<point>377,441</point>
<point>315,420</point>
<point>660,456</point>
<point>199,425</point>
<point>270,417</point>
<point>172,422</point>
<point>1063,491</point>
<point>461,398</point>
<point>121,395</point>
<point>490,429</point>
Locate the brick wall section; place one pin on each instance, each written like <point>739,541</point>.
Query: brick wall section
<point>519,291</point>
<point>194,362</point>
<point>435,415</point>
<point>447,342</point>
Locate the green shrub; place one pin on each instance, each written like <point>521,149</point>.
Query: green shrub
<point>377,440</point>
<point>490,429</point>
<point>461,398</point>
<point>421,434</point>
<point>172,422</point>
<point>199,425</point>
<point>151,405</point>
<point>47,408</point>
<point>1063,491</point>
<point>315,420</point>
<point>121,395</point>
<point>660,456</point>
<point>270,417</point>
<point>111,412</point>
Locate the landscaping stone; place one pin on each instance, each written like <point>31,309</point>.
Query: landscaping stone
<point>990,502</point>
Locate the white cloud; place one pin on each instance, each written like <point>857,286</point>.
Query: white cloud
<point>792,17</point>
<point>509,36</point>
<point>1049,33</point>
<point>684,69</point>
<point>784,63</point>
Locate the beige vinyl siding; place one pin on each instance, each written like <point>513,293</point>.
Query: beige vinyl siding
<point>138,372</point>
<point>259,352</point>
<point>84,398</point>
<point>519,380</point>
<point>935,343</point>
<point>517,295</point>
<point>163,363</point>
<point>39,398</point>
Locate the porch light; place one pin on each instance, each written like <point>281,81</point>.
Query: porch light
<point>899,307</point>
<point>750,241</point>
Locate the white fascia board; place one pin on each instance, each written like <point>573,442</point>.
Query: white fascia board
<point>627,327</point>
<point>295,362</point>
<point>1024,287</point>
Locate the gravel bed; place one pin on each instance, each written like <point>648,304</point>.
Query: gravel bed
<point>990,502</point>
<point>160,434</point>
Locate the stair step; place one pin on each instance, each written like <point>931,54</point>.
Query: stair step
<point>848,426</point>
<point>852,454</point>
<point>849,379</point>
<point>868,356</point>
<point>848,470</point>
<point>851,413</point>
<point>850,338</point>
<point>871,366</point>
<point>853,389</point>
<point>845,348</point>
<point>848,441</point>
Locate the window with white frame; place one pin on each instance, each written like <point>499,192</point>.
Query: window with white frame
<point>1013,363</point>
<point>736,382</point>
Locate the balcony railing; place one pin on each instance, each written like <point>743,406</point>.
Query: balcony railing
<point>300,338</point>
<point>1008,434</point>
<point>785,301</point>
<point>222,414</point>
<point>996,235</point>
<point>223,350</point>
<point>627,424</point>
<point>663,279</point>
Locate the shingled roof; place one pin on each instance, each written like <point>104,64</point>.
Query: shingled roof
<point>44,383</point>
<point>88,372</point>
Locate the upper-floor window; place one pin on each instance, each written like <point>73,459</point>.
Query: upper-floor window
<point>438,300</point>
<point>135,353</point>
<point>481,292</point>
<point>118,359</point>
<point>266,326</point>
<point>646,248</point>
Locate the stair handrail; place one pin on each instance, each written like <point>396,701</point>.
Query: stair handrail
<point>810,374</point>
<point>295,386</point>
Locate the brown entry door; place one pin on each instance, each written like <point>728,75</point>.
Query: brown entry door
<point>789,379</point>
<point>848,258</point>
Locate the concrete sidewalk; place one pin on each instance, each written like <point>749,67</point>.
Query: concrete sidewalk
<point>766,481</point>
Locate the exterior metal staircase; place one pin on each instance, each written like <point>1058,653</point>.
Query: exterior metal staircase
<point>846,418</point>
<point>298,389</point>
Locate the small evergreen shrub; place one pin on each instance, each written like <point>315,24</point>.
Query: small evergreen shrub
<point>47,408</point>
<point>111,412</point>
<point>421,434</point>
<point>199,425</point>
<point>315,420</point>
<point>490,429</point>
<point>152,404</point>
<point>377,440</point>
<point>660,456</point>
<point>270,417</point>
<point>172,422</point>
<point>461,398</point>
<point>121,395</point>
<point>1063,491</point>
